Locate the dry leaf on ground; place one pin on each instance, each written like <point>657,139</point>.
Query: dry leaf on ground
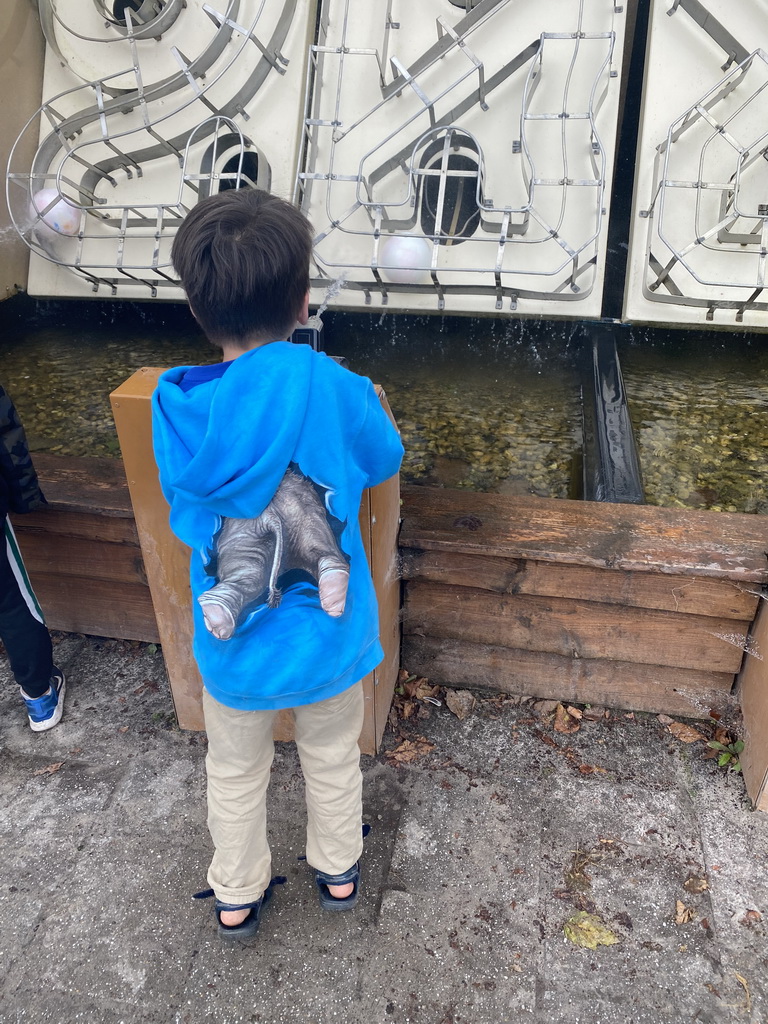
<point>695,884</point>
<point>685,733</point>
<point>409,750</point>
<point>576,877</point>
<point>49,768</point>
<point>460,702</point>
<point>683,914</point>
<point>565,721</point>
<point>751,917</point>
<point>722,736</point>
<point>421,688</point>
<point>594,714</point>
<point>591,769</point>
<point>589,931</point>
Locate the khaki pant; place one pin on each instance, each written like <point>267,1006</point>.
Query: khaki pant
<point>240,753</point>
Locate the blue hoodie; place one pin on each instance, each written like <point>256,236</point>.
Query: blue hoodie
<point>264,468</point>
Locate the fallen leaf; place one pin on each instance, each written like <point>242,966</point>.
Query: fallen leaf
<point>593,714</point>
<point>460,702</point>
<point>575,875</point>
<point>409,750</point>
<point>403,676</point>
<point>546,739</point>
<point>564,721</point>
<point>748,1000</point>
<point>419,687</point>
<point>589,931</point>
<point>123,728</point>
<point>695,884</point>
<point>590,769</point>
<point>685,733</point>
<point>407,709</point>
<point>574,712</point>
<point>665,719</point>
<point>751,917</point>
<point>683,914</point>
<point>49,768</point>
<point>723,736</point>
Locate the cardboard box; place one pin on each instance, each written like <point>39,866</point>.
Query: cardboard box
<point>166,561</point>
<point>753,694</point>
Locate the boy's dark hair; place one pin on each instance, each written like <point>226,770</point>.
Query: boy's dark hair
<point>243,259</point>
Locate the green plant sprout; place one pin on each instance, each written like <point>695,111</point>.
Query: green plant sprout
<point>729,754</point>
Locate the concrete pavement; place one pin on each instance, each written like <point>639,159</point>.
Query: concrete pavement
<point>498,833</point>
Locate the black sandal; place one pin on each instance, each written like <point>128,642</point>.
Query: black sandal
<point>250,925</point>
<point>329,902</point>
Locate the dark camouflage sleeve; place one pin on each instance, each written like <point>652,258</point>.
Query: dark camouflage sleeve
<point>19,487</point>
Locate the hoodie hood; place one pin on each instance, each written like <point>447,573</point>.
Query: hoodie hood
<point>232,471</point>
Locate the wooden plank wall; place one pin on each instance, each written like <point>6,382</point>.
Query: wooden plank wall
<point>619,605</point>
<point>622,605</point>
<point>83,553</point>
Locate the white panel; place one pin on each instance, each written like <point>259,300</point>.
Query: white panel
<point>699,235</point>
<point>461,160</point>
<point>129,133</point>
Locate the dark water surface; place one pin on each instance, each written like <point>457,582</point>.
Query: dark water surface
<point>478,404</point>
<point>483,404</point>
<point>699,407</point>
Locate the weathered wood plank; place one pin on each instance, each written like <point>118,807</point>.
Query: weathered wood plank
<point>82,551</point>
<point>56,521</point>
<point>572,628</point>
<point>686,594</point>
<point>78,557</point>
<point>639,538</point>
<point>87,605</point>
<point>753,693</point>
<point>166,559</point>
<point>90,485</point>
<point>614,684</point>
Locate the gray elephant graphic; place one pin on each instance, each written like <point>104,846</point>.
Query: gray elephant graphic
<point>291,540</point>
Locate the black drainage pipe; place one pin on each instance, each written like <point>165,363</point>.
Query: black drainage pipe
<point>611,467</point>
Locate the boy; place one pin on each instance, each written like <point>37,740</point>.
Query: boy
<point>263,458</point>
<point>22,630</point>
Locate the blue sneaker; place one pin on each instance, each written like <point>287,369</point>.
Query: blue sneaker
<point>46,711</point>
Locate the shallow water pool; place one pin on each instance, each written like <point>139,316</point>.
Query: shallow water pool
<point>699,408</point>
<point>488,405</point>
<point>482,405</point>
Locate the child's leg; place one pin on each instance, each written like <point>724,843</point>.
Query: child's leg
<point>25,636</point>
<point>326,737</point>
<point>240,753</point>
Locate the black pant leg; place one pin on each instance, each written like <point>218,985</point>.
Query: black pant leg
<point>26,639</point>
